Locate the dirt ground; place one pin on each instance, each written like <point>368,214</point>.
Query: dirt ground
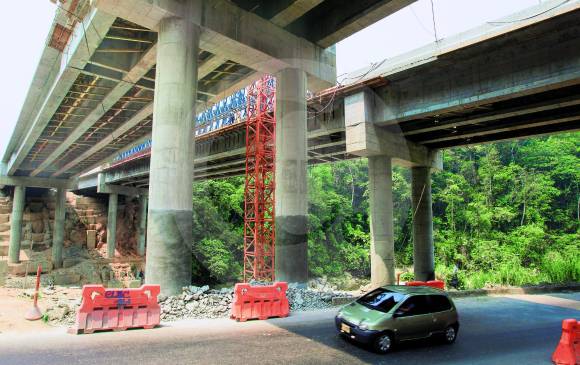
<point>14,303</point>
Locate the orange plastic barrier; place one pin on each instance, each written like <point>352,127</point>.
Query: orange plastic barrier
<point>260,302</point>
<point>568,350</point>
<point>438,284</point>
<point>117,309</point>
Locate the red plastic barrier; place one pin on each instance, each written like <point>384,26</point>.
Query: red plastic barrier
<point>568,350</point>
<point>260,302</point>
<point>117,309</point>
<point>437,284</point>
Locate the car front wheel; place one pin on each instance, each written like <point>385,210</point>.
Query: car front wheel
<point>383,343</point>
<point>450,334</point>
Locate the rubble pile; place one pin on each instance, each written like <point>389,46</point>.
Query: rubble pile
<point>203,302</point>
<point>199,302</point>
<point>60,305</point>
<point>196,302</point>
<point>302,299</point>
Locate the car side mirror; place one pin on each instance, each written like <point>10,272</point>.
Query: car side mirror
<point>398,313</point>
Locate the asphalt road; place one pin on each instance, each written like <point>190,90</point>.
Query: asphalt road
<point>494,330</point>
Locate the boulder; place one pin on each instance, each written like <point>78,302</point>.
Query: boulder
<point>67,278</point>
<point>4,227</point>
<point>37,227</point>
<point>37,237</point>
<point>91,239</point>
<point>78,237</point>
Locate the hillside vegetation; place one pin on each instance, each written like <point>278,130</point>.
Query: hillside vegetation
<point>504,214</point>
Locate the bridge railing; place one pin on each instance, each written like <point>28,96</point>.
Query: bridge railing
<point>229,111</point>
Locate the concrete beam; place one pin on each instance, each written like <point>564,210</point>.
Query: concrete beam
<point>96,23</point>
<point>103,187</point>
<point>330,23</point>
<point>121,190</point>
<point>546,56</point>
<point>38,182</point>
<point>236,34</point>
<point>294,11</point>
<point>209,65</point>
<point>47,70</point>
<point>364,138</point>
<point>129,79</point>
<point>133,121</point>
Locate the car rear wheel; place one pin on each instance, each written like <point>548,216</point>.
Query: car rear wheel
<point>450,334</point>
<point>383,343</point>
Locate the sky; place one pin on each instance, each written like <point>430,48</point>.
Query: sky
<point>25,24</point>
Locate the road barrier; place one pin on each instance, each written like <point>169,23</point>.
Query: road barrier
<point>117,309</point>
<point>260,302</point>
<point>568,349</point>
<point>438,284</point>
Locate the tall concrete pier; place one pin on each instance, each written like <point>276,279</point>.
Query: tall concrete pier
<point>143,201</point>
<point>16,224</point>
<point>423,251</point>
<point>58,237</point>
<point>381,209</point>
<point>112,225</point>
<point>291,175</point>
<point>171,172</point>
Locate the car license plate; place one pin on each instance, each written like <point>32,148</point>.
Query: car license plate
<point>344,328</point>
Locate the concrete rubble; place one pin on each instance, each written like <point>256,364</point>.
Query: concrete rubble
<point>197,302</point>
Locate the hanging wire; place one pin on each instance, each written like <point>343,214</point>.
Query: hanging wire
<point>529,17</point>
<point>419,21</point>
<point>341,83</point>
<point>434,24</point>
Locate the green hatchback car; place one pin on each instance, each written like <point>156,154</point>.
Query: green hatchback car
<point>398,313</point>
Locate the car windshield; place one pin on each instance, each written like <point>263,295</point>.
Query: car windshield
<point>381,299</point>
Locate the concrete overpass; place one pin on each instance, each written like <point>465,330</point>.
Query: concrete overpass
<point>512,78</point>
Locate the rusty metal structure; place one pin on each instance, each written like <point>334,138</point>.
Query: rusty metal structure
<point>259,193</point>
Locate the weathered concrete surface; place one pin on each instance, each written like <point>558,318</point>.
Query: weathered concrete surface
<point>112,225</point>
<point>58,235</point>
<point>381,212</point>
<point>143,200</point>
<point>16,224</point>
<point>423,250</point>
<point>291,177</point>
<point>171,177</point>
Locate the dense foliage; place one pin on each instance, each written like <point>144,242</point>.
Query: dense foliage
<point>504,213</point>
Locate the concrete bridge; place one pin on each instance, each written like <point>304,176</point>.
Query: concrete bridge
<point>512,78</point>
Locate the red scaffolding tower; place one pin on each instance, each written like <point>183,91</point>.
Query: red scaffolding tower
<point>259,195</point>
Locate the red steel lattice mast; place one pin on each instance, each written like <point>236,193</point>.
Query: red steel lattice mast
<point>259,195</point>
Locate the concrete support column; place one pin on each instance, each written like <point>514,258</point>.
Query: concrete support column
<point>423,251</point>
<point>58,235</point>
<point>381,212</point>
<point>16,224</point>
<point>169,223</point>
<point>142,225</point>
<point>291,175</point>
<point>112,225</point>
